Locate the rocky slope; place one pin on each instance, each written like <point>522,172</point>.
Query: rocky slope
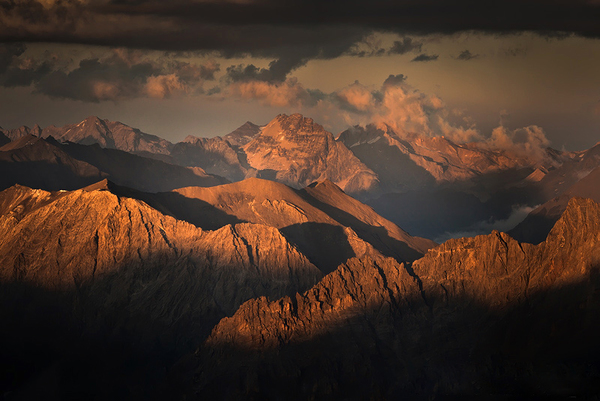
<point>555,182</point>
<point>483,316</point>
<point>327,225</point>
<point>108,134</point>
<point>297,151</point>
<point>17,133</point>
<point>91,269</point>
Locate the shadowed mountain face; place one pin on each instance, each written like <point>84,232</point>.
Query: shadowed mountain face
<point>37,163</point>
<point>139,172</point>
<point>484,316</point>
<point>538,223</point>
<point>242,135</point>
<point>3,138</point>
<point>47,164</point>
<point>112,270</point>
<point>214,155</point>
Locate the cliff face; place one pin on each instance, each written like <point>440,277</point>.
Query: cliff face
<point>476,316</point>
<point>296,151</point>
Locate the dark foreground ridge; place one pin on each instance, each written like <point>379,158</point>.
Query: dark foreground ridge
<point>488,316</point>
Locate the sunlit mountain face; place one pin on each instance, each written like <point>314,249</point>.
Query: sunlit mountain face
<point>299,200</point>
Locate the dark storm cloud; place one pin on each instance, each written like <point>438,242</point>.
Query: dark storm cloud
<point>123,74</point>
<point>406,45</point>
<point>394,80</point>
<point>266,27</point>
<point>466,55</point>
<point>425,57</point>
<point>15,71</point>
<point>290,33</point>
<point>95,80</point>
<point>277,71</point>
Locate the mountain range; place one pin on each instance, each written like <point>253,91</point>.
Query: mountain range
<point>282,262</point>
<point>457,187</point>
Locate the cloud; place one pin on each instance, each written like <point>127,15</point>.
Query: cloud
<point>466,55</point>
<point>275,29</point>
<point>394,80</point>
<point>119,74</point>
<point>16,70</point>
<point>355,98</point>
<point>529,142</point>
<point>369,46</point>
<point>277,72</point>
<point>425,57</point>
<point>406,45</point>
<point>165,86</point>
<point>282,94</point>
<point>396,105</point>
<point>518,51</point>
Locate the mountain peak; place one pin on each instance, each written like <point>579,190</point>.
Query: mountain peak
<point>295,123</point>
<point>243,134</point>
<point>103,185</point>
<point>297,151</point>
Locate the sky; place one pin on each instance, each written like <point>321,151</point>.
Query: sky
<point>495,71</point>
